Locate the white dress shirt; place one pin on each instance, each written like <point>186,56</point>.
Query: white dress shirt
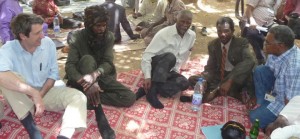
<point>168,40</point>
<point>292,113</point>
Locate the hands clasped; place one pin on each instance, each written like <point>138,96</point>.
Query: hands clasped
<point>91,87</point>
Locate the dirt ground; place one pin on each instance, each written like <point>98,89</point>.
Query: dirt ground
<point>204,16</point>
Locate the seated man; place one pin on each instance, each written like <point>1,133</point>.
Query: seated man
<point>47,9</point>
<point>161,65</point>
<point>8,10</point>
<point>28,70</point>
<point>118,16</point>
<point>171,11</point>
<point>287,123</point>
<point>292,15</point>
<point>278,80</point>
<point>90,66</point>
<point>259,13</point>
<point>149,12</point>
<point>229,66</point>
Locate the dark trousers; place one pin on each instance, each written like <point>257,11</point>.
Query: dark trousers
<point>170,82</point>
<point>264,80</point>
<point>115,93</point>
<point>256,39</point>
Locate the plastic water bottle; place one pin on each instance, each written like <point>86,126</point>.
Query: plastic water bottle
<point>56,27</point>
<point>198,94</point>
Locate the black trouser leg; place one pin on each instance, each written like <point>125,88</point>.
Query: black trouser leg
<point>103,126</point>
<point>31,128</point>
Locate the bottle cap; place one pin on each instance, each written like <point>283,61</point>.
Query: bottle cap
<point>200,79</point>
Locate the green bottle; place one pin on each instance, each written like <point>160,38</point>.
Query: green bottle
<point>254,130</point>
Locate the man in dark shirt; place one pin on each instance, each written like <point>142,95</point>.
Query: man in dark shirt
<point>90,66</point>
<point>118,16</point>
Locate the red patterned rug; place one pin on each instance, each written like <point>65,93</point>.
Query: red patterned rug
<point>141,121</point>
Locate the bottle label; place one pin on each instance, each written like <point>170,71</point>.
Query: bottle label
<point>56,28</point>
<point>197,99</point>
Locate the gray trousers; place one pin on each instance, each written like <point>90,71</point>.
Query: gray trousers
<point>115,93</point>
<point>171,82</point>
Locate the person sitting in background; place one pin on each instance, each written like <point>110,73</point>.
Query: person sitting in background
<point>287,124</point>
<point>278,81</point>
<point>233,130</point>
<point>229,67</point>
<point>292,16</point>
<point>28,71</point>
<point>292,8</point>
<point>47,9</point>
<point>259,13</point>
<point>8,10</point>
<point>163,59</point>
<point>149,12</point>
<point>170,14</point>
<point>118,16</point>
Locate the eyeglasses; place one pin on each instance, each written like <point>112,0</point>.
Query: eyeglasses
<point>267,43</point>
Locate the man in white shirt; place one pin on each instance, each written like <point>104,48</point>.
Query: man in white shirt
<point>287,123</point>
<point>163,58</point>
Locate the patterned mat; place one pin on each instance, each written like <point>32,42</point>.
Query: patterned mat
<point>141,121</point>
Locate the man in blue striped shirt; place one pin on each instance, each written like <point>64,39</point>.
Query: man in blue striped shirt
<point>279,77</point>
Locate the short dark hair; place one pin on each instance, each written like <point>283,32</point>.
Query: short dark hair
<point>283,34</point>
<point>233,130</point>
<point>95,14</point>
<point>22,24</point>
<point>223,20</point>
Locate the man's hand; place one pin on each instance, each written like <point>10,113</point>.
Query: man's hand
<point>87,80</point>
<point>224,88</point>
<point>38,102</point>
<point>93,94</point>
<point>147,84</point>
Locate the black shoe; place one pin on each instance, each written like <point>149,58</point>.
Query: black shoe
<point>151,96</point>
<point>186,98</point>
<point>140,93</point>
<point>107,133</point>
<point>61,137</point>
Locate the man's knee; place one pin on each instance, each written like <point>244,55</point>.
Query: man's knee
<point>183,83</point>
<point>193,79</point>
<point>78,96</point>
<point>260,70</point>
<point>170,56</point>
<point>87,60</point>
